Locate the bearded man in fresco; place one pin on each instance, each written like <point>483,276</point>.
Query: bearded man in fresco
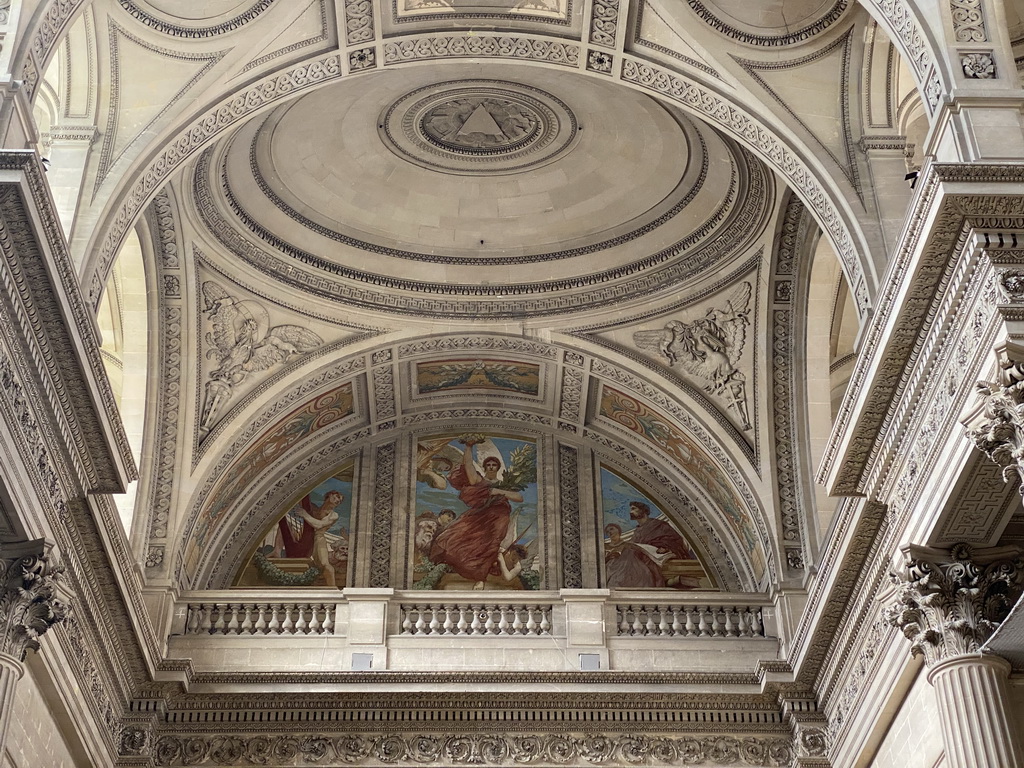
<point>636,563</point>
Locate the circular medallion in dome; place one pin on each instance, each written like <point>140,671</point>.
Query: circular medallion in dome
<point>479,127</point>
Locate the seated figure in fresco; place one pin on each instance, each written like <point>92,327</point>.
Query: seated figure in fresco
<point>637,563</point>
<point>469,545</point>
<point>515,564</point>
<point>312,539</point>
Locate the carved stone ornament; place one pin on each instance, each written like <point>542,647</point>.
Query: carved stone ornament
<point>29,605</point>
<point>562,749</point>
<point>997,425</point>
<point>1011,284</point>
<point>978,66</point>
<point>949,604</point>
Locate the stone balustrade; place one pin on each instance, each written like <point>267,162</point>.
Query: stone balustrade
<point>675,620</point>
<point>482,619</point>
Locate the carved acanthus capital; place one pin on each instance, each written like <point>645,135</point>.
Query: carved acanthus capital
<point>949,603</point>
<point>29,600</point>
<point>996,425</point>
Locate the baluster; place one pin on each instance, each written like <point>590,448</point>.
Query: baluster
<point>756,626</point>
<point>260,626</point>
<point>703,626</point>
<point>245,628</point>
<point>195,620</point>
<point>476,625</point>
<point>406,621</point>
<point>300,623</point>
<point>623,619</point>
<point>448,627</point>
<point>231,626</point>
<point>490,628</point>
<point>676,626</point>
<point>517,621</point>
<point>216,619</point>
<point>743,621</point>
<point>730,626</point>
<point>434,623</point>
<point>503,625</point>
<point>420,626</point>
<point>545,619</point>
<point>328,625</point>
<point>638,624</point>
<point>691,628</point>
<point>288,624</point>
<point>650,628</point>
<point>274,626</point>
<point>463,625</point>
<point>716,622</point>
<point>314,619</point>
<point>663,621</point>
<point>531,621</point>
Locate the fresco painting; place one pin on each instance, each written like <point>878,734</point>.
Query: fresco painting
<point>474,522</point>
<point>660,432</point>
<point>307,546</point>
<point>503,375</point>
<point>643,549</point>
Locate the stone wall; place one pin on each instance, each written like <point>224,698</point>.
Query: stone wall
<point>915,739</point>
<point>34,739</point>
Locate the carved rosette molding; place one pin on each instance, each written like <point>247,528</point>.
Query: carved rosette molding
<point>29,601</point>
<point>950,603</point>
<point>564,749</point>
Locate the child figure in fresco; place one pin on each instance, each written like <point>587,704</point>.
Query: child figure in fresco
<point>320,519</point>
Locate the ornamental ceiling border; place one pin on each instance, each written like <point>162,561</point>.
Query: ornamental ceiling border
<point>740,230</point>
<point>588,333</point>
<point>561,21</point>
<point>642,6</point>
<point>765,41</point>
<point>321,37</point>
<point>696,185</point>
<point>362,333</point>
<point>180,30</point>
<point>280,85</point>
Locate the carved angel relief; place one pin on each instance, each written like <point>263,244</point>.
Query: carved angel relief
<point>708,349</point>
<point>243,343</point>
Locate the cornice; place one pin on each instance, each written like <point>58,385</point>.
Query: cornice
<point>54,320</point>
<point>953,199</point>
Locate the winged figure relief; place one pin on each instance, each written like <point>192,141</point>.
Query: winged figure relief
<point>708,348</point>
<point>243,342</point>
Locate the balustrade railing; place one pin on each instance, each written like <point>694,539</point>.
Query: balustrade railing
<point>260,619</point>
<point>449,619</point>
<point>642,620</point>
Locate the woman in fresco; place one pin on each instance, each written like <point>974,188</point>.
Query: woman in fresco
<point>470,545</point>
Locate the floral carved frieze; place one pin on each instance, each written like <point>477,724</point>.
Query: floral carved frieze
<point>472,749</point>
<point>950,603</point>
<point>29,602</point>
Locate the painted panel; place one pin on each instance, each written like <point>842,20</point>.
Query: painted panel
<point>661,433</point>
<point>308,545</point>
<point>503,375</point>
<point>475,517</point>
<point>643,548</point>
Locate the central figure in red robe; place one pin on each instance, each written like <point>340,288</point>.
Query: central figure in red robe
<point>471,544</point>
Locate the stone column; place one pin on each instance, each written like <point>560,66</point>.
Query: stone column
<point>29,606</point>
<point>949,603</point>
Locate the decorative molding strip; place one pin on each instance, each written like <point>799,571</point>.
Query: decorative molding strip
<point>968,21</point>
<point>473,748</point>
<point>569,515</point>
<point>358,21</point>
<point>762,41</point>
<point>175,30</point>
<point>904,24</point>
<point>459,45</point>
<point>383,511</point>
<point>604,22</point>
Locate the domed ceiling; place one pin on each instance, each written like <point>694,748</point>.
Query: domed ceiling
<point>480,188</point>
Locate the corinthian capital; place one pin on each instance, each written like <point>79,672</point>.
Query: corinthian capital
<point>29,602</point>
<point>949,603</point>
